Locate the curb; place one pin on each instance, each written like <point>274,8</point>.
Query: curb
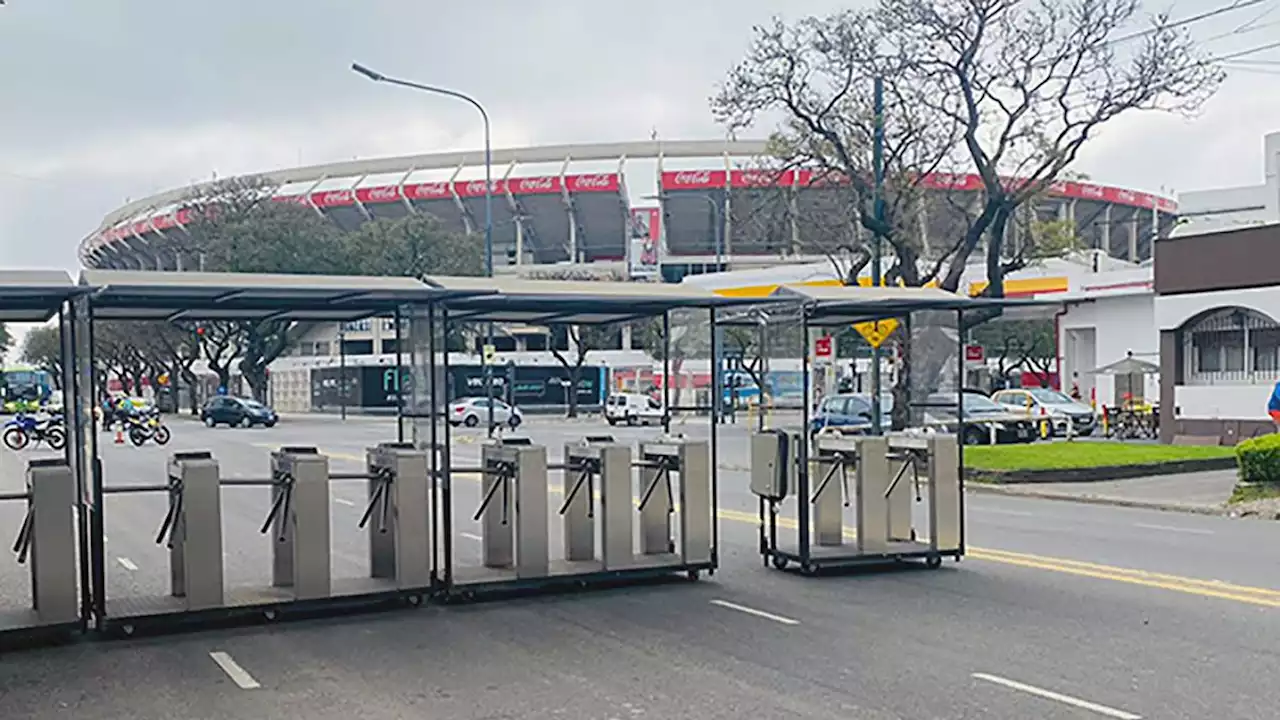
<point>1100,500</point>
<point>1099,474</point>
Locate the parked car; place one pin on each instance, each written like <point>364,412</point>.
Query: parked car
<point>1059,408</point>
<point>632,409</point>
<point>985,420</point>
<point>849,413</point>
<point>237,412</point>
<point>473,411</point>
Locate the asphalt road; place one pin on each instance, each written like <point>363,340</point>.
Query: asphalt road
<point>1062,610</point>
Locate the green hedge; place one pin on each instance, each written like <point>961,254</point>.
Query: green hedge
<point>1259,459</point>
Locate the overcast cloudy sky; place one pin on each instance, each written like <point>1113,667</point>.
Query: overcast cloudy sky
<point>106,100</point>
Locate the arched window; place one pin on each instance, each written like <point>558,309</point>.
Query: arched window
<point>1232,346</point>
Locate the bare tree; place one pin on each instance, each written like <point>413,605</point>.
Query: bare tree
<point>1030,82</point>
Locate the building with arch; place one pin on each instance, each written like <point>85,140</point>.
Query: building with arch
<point>1217,305</point>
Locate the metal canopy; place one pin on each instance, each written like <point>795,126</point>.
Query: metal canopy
<point>541,302</point>
<point>34,295</point>
<point>837,305</point>
<point>145,295</point>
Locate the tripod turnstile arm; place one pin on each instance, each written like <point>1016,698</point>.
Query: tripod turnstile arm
<point>504,474</point>
<point>23,544</point>
<point>381,501</point>
<point>280,508</point>
<point>170,523</point>
<point>663,474</point>
<point>585,477</point>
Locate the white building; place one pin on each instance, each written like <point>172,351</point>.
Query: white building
<point>1206,211</point>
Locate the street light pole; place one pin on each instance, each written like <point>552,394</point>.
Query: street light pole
<point>877,160</point>
<point>488,197</point>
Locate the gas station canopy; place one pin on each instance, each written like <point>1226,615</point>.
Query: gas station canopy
<point>849,304</point>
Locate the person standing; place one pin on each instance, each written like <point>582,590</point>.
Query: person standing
<point>1273,406</point>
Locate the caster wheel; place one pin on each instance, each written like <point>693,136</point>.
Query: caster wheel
<point>807,569</point>
<point>780,563</point>
<point>933,562</point>
<point>127,630</point>
<point>415,600</point>
<point>693,575</point>
<point>269,615</point>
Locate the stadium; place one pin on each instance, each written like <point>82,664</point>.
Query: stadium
<point>653,210</point>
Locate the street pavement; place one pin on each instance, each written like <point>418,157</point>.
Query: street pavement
<point>1195,492</point>
<point>1061,610</point>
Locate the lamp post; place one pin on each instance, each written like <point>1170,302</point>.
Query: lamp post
<point>488,195</point>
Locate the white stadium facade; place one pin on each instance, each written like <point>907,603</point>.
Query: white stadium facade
<point>652,210</point>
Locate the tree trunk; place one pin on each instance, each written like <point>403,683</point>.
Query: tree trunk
<point>575,373</point>
<point>256,376</point>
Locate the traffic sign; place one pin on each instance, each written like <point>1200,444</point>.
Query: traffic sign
<point>823,347</point>
<point>490,353</point>
<point>877,331</point>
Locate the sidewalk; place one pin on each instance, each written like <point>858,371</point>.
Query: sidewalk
<point>1201,492</point>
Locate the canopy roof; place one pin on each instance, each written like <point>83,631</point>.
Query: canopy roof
<point>1127,366</point>
<point>541,302</point>
<point>847,304</point>
<point>34,295</point>
<point>146,295</point>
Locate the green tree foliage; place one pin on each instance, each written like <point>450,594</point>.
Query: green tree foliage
<point>1018,345</point>
<point>42,348</point>
<point>6,339</point>
<point>239,228</point>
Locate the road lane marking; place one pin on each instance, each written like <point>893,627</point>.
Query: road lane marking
<point>471,536</point>
<point>126,563</point>
<point>344,501</point>
<point>233,670</point>
<point>757,613</point>
<point>1170,528</point>
<point>1058,697</point>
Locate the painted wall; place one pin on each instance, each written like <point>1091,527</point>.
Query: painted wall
<point>1094,333</point>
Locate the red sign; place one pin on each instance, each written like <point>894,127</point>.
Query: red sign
<point>598,182</point>
<point>475,188</point>
<point>381,194</point>
<point>535,185</point>
<point>823,347</point>
<point>428,191</point>
<point>974,354</point>
<point>334,198</point>
<point>693,180</point>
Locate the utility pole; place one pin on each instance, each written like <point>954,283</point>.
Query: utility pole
<point>877,161</point>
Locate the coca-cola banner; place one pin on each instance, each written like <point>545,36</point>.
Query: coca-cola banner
<point>644,242</point>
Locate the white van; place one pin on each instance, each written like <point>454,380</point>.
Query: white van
<point>632,409</point>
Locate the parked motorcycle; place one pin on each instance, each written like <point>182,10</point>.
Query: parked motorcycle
<point>146,427</point>
<point>25,429</point>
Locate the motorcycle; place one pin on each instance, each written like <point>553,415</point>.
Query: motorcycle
<point>25,429</point>
<point>146,427</point>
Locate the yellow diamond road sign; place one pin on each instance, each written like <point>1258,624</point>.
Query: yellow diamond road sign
<point>877,331</point>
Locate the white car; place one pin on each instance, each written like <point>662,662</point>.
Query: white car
<point>474,411</point>
<point>632,409</point>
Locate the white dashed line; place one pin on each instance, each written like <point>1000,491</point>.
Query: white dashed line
<point>757,613</point>
<point>344,501</point>
<point>1058,697</point>
<point>471,536</point>
<point>1170,528</point>
<point>234,671</point>
<point>126,563</point>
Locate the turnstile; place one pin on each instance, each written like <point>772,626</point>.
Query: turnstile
<point>194,529</point>
<point>853,498</point>
<point>666,464</point>
<point>513,518</point>
<point>398,515</point>
<point>300,522</point>
<point>599,467</point>
<point>47,542</point>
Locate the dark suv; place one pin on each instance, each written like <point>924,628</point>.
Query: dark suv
<point>240,412</point>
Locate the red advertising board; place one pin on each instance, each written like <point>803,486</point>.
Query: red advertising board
<point>823,347</point>
<point>974,354</point>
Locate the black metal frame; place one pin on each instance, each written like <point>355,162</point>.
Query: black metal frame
<point>492,308</point>
<point>829,309</point>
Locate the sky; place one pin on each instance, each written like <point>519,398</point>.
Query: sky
<point>102,101</point>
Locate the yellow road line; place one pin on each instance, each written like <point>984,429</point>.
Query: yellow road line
<point>1265,597</point>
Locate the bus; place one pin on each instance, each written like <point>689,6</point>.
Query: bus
<point>24,388</point>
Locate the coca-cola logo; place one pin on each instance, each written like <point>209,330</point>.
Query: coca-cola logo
<point>1125,196</point>
<point>428,191</point>
<point>475,187</point>
<point>338,197</point>
<point>542,184</point>
<point>755,177</point>
<point>593,182</point>
<point>698,177</point>
<point>1091,191</point>
<point>384,194</point>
